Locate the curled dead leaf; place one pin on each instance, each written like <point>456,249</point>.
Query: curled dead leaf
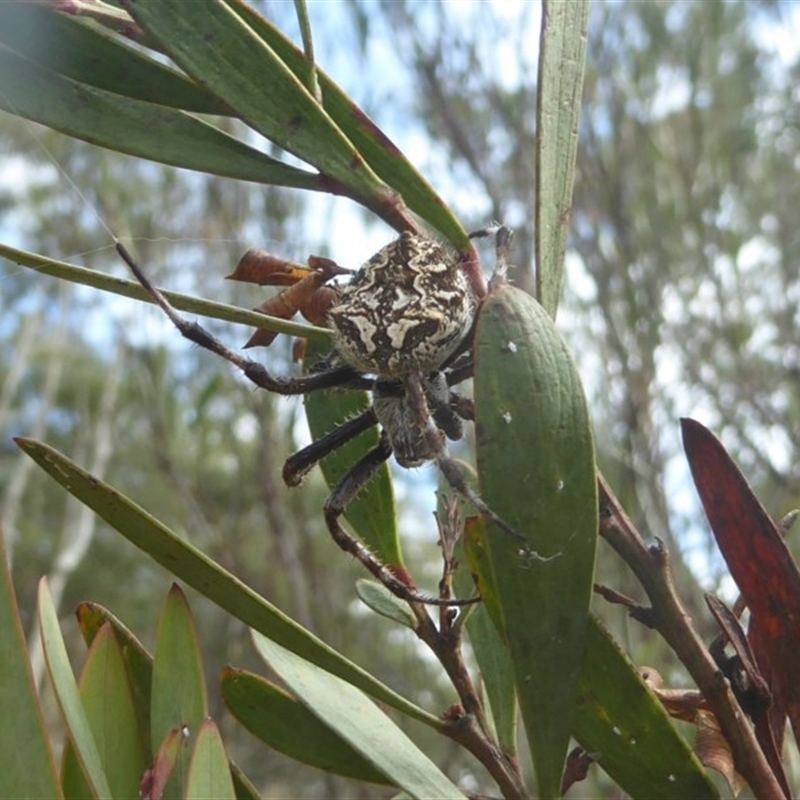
<point>713,751</point>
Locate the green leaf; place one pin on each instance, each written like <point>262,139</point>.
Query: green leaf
<point>209,777</point>
<point>372,513</point>
<point>178,694</point>
<point>139,666</point>
<point>107,698</point>
<point>356,719</point>
<point>617,717</point>
<point>138,662</point>
<point>133,289</point>
<point>68,696</point>
<point>621,722</point>
<point>286,725</point>
<point>70,47</point>
<point>221,587</point>
<point>377,597</point>
<point>136,127</point>
<point>562,57</point>
<point>242,785</point>
<point>537,471</point>
<point>27,768</point>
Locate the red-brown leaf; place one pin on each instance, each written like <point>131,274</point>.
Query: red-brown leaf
<point>265,269</point>
<point>285,305</point>
<point>758,559</point>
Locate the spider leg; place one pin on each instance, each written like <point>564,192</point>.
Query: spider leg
<point>460,370</point>
<point>302,461</point>
<point>253,370</point>
<point>463,406</point>
<point>447,465</point>
<point>344,491</point>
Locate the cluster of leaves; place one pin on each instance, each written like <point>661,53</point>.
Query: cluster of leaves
<point>538,648</point>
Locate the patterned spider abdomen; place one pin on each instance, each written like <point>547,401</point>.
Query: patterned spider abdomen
<point>407,309</point>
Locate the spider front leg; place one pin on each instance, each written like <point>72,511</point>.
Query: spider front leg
<point>336,504</point>
<point>253,370</point>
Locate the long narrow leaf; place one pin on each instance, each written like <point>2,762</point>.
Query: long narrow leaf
<point>136,127</point>
<point>66,690</point>
<point>385,158</point>
<point>211,580</point>
<point>126,288</point>
<point>562,57</point>
<point>74,49</point>
<point>286,725</point>
<point>216,47</point>
<point>26,762</point>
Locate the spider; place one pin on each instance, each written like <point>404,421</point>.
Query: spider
<point>402,329</point>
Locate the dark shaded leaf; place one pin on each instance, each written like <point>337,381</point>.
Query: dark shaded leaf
<point>68,46</point>
<point>136,127</point>
<point>372,513</point>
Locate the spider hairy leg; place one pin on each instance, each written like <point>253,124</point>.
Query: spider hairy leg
<point>299,464</point>
<point>341,496</point>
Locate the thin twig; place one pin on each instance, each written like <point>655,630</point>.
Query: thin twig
<point>467,724</point>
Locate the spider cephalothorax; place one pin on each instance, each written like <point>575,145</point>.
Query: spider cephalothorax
<point>407,309</point>
<point>401,329</point>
